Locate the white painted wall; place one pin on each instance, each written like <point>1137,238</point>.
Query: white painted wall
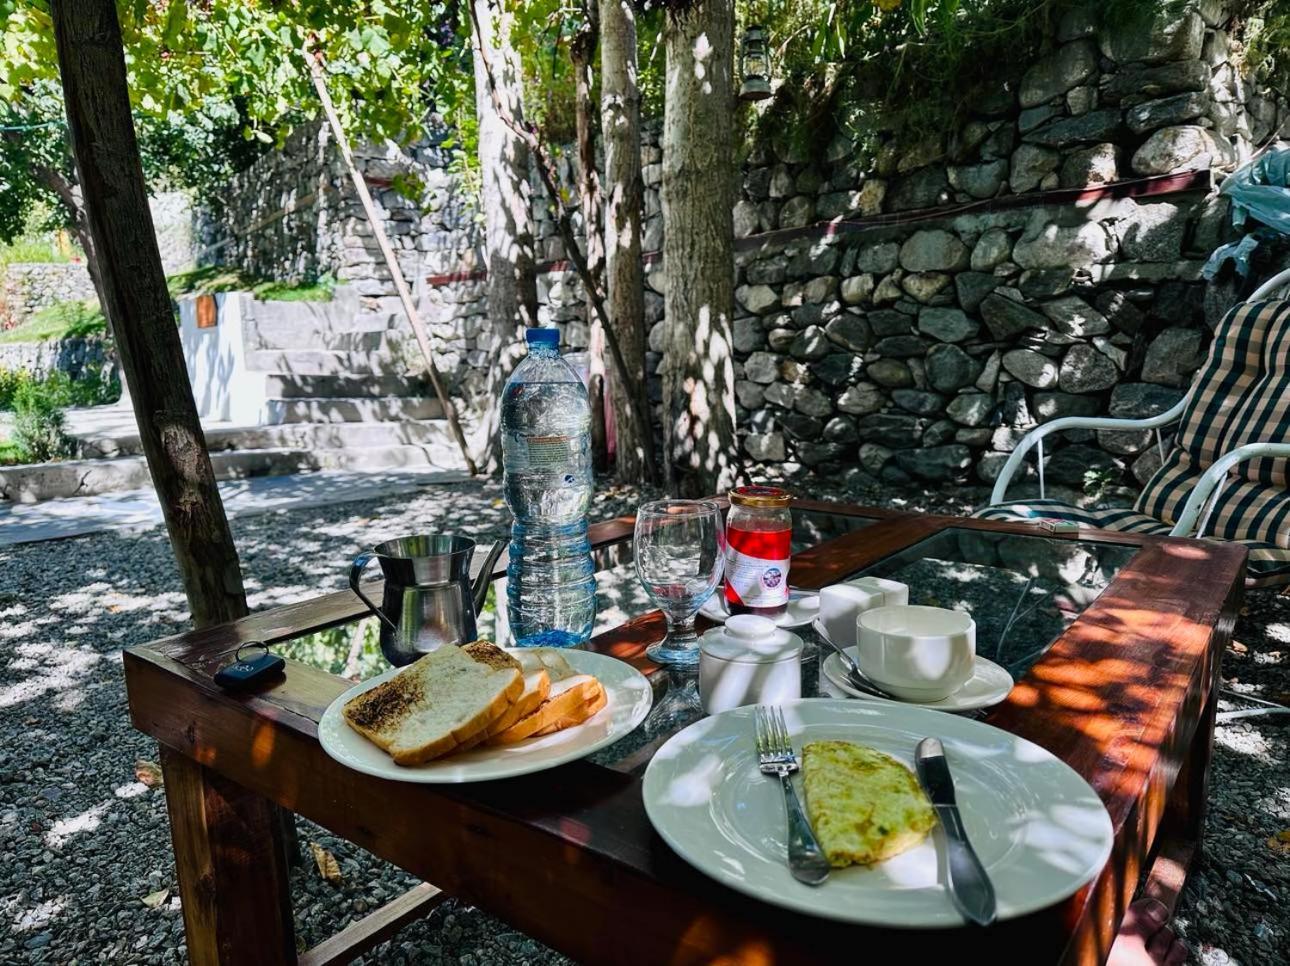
<point>223,387</point>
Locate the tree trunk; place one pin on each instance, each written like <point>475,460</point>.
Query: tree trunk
<point>698,248</point>
<point>625,281</point>
<point>582,52</point>
<point>138,307</point>
<point>508,222</point>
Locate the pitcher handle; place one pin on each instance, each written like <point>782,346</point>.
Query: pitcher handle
<point>355,574</point>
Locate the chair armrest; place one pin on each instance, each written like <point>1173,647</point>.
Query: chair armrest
<point>1076,422</point>
<point>1269,288</point>
<point>1210,481</point>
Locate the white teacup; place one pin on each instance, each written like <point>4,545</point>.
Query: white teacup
<point>917,653</point>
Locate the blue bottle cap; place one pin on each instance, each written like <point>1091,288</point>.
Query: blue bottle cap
<point>545,335</point>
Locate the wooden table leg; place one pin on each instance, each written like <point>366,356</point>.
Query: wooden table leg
<point>1183,824</point>
<point>229,860</point>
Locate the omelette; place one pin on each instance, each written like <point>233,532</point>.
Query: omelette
<point>865,806</point>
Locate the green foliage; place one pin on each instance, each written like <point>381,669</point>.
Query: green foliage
<point>38,425</point>
<point>212,85</point>
<point>10,454</point>
<point>351,650</point>
<point>1267,41</point>
<point>212,279</point>
<point>905,65</point>
<point>94,387</point>
<point>1099,480</point>
<point>10,381</point>
<point>62,320</point>
<point>32,248</point>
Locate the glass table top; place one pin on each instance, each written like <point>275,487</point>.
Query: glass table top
<point>1022,591</point>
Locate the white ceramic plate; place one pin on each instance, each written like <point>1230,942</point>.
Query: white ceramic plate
<point>803,607</point>
<point>1040,830</point>
<point>990,683</point>
<point>629,699</point>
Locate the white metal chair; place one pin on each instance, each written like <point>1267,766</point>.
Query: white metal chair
<point>1260,516</point>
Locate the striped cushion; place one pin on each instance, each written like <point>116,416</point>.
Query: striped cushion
<point>1241,395</point>
<point>1269,565</point>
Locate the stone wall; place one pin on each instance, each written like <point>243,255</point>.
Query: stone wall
<point>72,356</point>
<point>927,350</point>
<point>28,287</point>
<point>953,302</point>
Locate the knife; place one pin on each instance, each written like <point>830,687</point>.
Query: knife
<point>970,887</point>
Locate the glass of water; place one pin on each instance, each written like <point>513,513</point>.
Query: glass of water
<point>680,551</point>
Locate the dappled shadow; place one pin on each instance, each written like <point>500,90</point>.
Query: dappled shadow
<point>71,807</point>
<point>68,788</point>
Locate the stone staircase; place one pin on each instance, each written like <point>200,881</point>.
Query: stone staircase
<point>336,398</point>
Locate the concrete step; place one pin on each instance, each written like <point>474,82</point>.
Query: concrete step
<point>337,409</point>
<point>303,436</point>
<point>322,362</point>
<point>45,481</point>
<point>296,386</point>
<point>316,330</point>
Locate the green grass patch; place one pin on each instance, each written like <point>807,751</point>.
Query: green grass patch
<point>32,248</point>
<point>211,279</point>
<point>11,453</point>
<point>62,320</point>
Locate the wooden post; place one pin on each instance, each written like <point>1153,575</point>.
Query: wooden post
<point>217,825</point>
<point>138,306</point>
<point>314,60</point>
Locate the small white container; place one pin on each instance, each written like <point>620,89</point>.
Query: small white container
<point>842,604</point>
<point>748,660</point>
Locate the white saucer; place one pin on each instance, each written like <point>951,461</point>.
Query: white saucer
<point>803,608</point>
<point>988,685</point>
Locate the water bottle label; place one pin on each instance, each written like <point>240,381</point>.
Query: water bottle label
<point>544,452</point>
<point>760,578</point>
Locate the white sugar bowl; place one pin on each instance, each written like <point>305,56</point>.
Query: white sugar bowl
<point>748,660</point>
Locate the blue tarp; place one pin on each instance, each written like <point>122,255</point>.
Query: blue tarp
<point>1260,193</point>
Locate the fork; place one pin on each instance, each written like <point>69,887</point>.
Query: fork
<point>775,756</point>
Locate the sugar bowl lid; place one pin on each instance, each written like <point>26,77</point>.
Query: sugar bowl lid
<point>749,639</point>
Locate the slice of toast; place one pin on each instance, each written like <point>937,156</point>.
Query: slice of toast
<point>435,705</point>
<point>578,715</point>
<point>537,685</point>
<point>566,697</point>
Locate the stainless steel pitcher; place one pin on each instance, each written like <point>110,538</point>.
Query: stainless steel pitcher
<point>429,600</point>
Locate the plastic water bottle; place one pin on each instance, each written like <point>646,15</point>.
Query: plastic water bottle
<point>546,456</point>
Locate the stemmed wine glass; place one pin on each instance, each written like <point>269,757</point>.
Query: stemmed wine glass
<point>680,552</point>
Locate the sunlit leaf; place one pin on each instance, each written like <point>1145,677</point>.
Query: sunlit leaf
<point>153,900</point>
<point>148,772</point>
<point>326,863</point>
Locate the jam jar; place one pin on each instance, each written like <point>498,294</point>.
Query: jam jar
<point>759,532</point>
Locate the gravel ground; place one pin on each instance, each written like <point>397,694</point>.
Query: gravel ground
<point>83,841</point>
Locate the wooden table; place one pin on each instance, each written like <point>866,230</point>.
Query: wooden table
<point>1125,695</point>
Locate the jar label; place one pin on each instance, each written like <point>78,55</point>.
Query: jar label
<point>757,567</point>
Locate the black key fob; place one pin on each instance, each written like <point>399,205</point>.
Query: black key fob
<point>248,670</point>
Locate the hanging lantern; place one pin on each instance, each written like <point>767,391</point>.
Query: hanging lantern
<point>754,64</point>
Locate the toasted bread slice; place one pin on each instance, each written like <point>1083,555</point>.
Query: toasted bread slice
<point>431,707</point>
<point>537,685</point>
<point>567,695</point>
<point>578,715</point>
